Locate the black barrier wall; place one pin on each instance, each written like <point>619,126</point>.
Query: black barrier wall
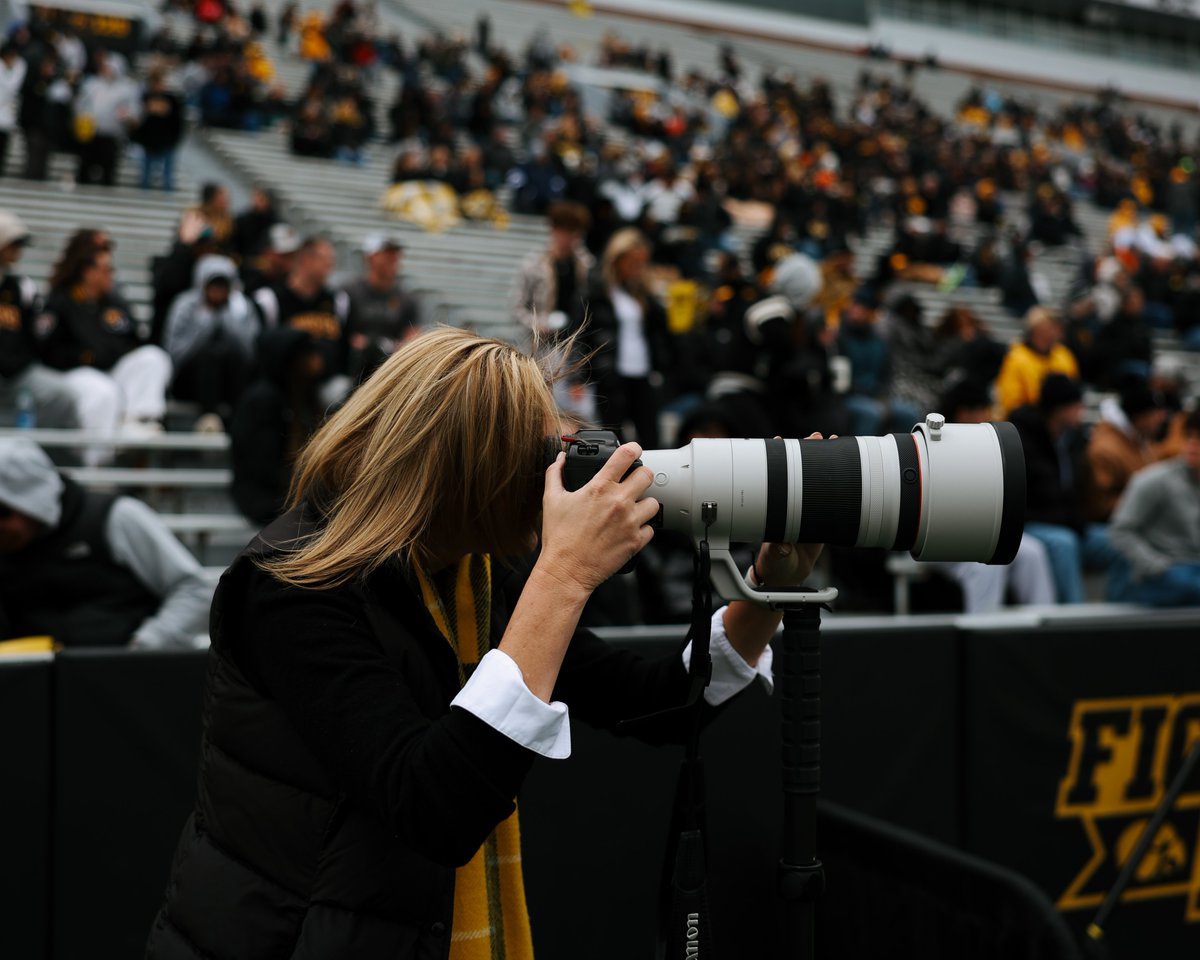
<point>1074,736</point>
<point>1038,749</point>
<point>25,752</point>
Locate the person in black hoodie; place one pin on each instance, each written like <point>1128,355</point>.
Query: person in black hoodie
<point>160,131</point>
<point>45,113</point>
<point>87,330</point>
<point>1055,466</point>
<point>274,418</point>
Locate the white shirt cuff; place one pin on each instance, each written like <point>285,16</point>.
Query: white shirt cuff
<point>497,695</point>
<point>731,673</point>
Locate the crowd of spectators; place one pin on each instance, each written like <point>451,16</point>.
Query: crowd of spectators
<point>676,318</point>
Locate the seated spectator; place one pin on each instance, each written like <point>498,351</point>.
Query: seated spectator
<point>383,314</point>
<point>1121,444</point>
<point>160,130</point>
<point>964,349</point>
<point>312,133</point>
<point>211,331</point>
<point>252,227</point>
<point>306,302</point>
<point>88,331</point>
<point>1156,531</point>
<point>869,400</point>
<point>20,372</point>
<point>274,418</point>
<point>90,569</point>
<point>274,262</point>
<point>1055,471</point>
<point>107,108</point>
<point>1029,578</point>
<point>213,212</point>
<point>1028,361</point>
<point>172,273</point>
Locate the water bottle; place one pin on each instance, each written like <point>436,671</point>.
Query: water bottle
<point>26,412</point>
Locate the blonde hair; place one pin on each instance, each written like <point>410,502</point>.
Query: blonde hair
<point>442,445</point>
<point>623,241</point>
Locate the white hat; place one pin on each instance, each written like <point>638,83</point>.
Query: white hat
<point>374,242</point>
<point>283,239</point>
<point>29,483</point>
<point>12,229</point>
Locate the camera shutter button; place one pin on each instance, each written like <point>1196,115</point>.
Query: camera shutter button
<point>660,479</point>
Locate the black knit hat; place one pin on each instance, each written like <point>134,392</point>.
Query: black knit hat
<point>1137,397</point>
<point>1059,390</point>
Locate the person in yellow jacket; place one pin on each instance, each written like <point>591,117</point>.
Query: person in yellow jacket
<point>1030,359</point>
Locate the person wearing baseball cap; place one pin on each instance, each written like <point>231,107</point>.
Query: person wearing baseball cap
<point>383,314</point>
<point>274,262</point>
<point>22,377</point>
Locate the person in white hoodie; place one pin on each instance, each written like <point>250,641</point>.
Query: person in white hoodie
<point>108,106</point>
<point>12,77</point>
<point>210,334</point>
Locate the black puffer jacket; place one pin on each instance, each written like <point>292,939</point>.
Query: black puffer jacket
<point>338,790</point>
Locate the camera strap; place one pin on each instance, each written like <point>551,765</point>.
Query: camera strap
<point>685,926</point>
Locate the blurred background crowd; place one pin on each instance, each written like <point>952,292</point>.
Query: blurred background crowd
<point>733,251</point>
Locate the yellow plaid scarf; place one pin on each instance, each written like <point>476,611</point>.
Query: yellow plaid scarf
<point>490,918</point>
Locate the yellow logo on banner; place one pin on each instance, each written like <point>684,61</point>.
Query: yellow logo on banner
<point>1124,754</point>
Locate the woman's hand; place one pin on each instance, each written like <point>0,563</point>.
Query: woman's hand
<point>589,534</point>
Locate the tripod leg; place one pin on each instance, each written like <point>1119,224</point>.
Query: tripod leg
<point>801,875</point>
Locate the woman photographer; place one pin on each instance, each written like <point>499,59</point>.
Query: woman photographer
<point>371,711</point>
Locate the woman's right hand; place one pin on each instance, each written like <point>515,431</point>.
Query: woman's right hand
<point>590,533</point>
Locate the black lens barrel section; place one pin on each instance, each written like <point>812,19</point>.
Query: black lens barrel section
<point>1012,517</point>
<point>831,495</point>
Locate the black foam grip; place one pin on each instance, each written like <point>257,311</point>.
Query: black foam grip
<point>831,496</point>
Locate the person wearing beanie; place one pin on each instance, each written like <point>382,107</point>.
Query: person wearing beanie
<point>1028,361</point>
<point>1156,530</point>
<point>89,569</point>
<point>20,371</point>
<point>1121,444</point>
<point>1055,469</point>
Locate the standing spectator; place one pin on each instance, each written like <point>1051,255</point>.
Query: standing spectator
<point>53,400</point>
<point>211,331</point>
<point>1055,471</point>
<point>45,114</point>
<point>90,569</point>
<point>160,131</point>
<point>549,296</point>
<point>1156,531</point>
<point>383,314</point>
<point>12,77</point>
<point>88,332</point>
<point>306,302</point>
<point>274,418</point>
<point>1028,361</point>
<point>1121,444</point>
<point>106,109</point>
<point>628,338</point>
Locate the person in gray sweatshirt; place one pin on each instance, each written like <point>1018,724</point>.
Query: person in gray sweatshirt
<point>210,335</point>
<point>1156,529</point>
<point>90,569</point>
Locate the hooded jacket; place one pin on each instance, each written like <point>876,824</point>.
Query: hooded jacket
<point>66,584</point>
<point>192,323</point>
